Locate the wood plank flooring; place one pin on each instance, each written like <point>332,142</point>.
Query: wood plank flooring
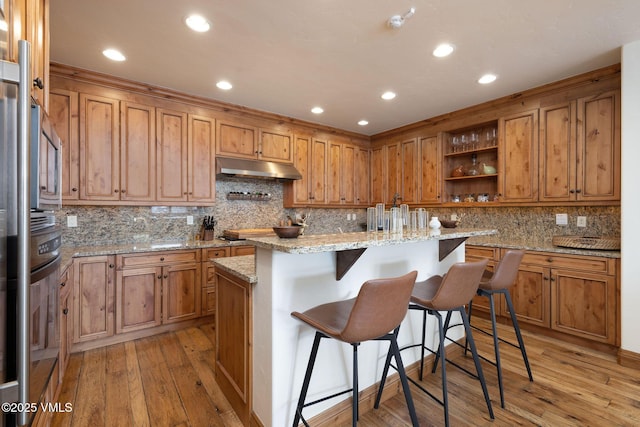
<point>168,380</point>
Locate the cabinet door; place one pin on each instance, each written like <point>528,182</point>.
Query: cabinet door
<point>530,296</point>
<point>518,153</point>
<point>599,147</point>
<point>347,179</point>
<point>361,179</point>
<point>37,33</point>
<point>378,188</point>
<point>171,151</point>
<point>429,186</point>
<point>298,192</point>
<point>66,314</point>
<point>243,250</point>
<point>181,295</point>
<point>137,152</point>
<point>93,297</point>
<point>99,148</point>
<point>557,153</point>
<point>63,112</point>
<point>138,298</point>
<point>334,177</point>
<point>275,146</point>
<point>393,163</point>
<point>202,159</point>
<point>236,140</point>
<point>409,171</point>
<point>319,149</point>
<point>584,304</point>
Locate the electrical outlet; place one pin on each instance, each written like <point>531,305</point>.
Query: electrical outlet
<point>72,221</point>
<point>348,217</point>
<point>454,217</point>
<point>582,221</point>
<point>189,219</point>
<point>562,219</point>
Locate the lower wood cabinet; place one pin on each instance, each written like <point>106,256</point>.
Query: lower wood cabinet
<point>572,294</point>
<point>66,319</point>
<point>157,288</point>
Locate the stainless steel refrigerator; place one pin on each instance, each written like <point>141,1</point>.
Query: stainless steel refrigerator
<point>14,226</point>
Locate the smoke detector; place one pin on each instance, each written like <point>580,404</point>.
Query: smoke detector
<point>397,21</point>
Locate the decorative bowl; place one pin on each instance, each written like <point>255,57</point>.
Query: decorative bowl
<point>288,232</point>
<point>447,223</point>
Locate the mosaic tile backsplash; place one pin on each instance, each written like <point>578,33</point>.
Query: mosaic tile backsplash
<point>127,224</point>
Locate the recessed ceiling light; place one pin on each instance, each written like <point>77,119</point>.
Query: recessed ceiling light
<point>198,23</point>
<point>224,85</point>
<point>443,50</point>
<point>113,54</point>
<point>388,95</point>
<point>317,110</point>
<point>487,78</point>
<point>363,122</point>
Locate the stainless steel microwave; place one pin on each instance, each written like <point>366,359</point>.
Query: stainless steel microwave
<point>46,162</point>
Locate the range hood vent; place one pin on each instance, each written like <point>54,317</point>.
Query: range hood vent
<point>228,166</point>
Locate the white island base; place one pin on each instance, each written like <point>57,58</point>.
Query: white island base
<point>298,281</point>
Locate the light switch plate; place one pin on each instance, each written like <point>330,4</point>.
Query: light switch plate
<point>562,219</point>
<point>581,221</point>
<point>72,221</point>
<point>189,219</point>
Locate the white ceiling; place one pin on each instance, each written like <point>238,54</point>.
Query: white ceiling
<point>286,56</point>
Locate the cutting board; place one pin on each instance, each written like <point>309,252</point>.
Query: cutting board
<point>245,233</point>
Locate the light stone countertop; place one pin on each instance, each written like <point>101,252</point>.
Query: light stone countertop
<point>536,244</point>
<point>243,267</point>
<point>338,242</point>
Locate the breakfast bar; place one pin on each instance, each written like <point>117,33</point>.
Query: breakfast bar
<point>296,274</point>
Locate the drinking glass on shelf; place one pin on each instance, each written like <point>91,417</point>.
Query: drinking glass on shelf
<point>474,139</point>
<point>464,142</point>
<point>490,137</point>
<point>395,218</point>
<point>404,215</point>
<point>380,215</point>
<point>386,221</point>
<point>455,143</point>
<point>413,221</point>
<point>423,219</point>
<point>372,220</point>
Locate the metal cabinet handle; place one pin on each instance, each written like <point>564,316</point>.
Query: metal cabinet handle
<point>115,191</point>
<point>165,276</point>
<point>549,259</point>
<point>160,276</point>
<point>111,265</point>
<point>37,82</point>
<point>65,311</point>
<point>123,191</point>
<point>162,258</point>
<point>74,189</point>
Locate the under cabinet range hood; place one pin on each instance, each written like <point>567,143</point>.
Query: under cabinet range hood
<point>228,166</point>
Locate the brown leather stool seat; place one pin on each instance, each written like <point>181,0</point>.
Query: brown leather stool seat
<point>449,293</point>
<point>499,282</point>
<point>375,314</point>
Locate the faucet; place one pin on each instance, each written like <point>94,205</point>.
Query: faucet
<point>395,200</point>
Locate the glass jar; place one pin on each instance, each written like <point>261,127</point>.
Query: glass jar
<point>455,198</point>
<point>473,170</point>
<point>470,198</point>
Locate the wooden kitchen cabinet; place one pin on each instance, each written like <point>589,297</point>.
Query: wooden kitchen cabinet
<point>311,160</point>
<point>361,179</point>
<point>93,290</point>
<point>243,250</point>
<point>580,149</point>
<point>275,146</point>
<point>66,320</point>
<point>99,148</point>
<point>137,152</point>
<point>209,278</point>
<point>531,296</point>
<point>477,253</point>
<point>429,185</point>
<point>518,157</point>
<point>157,288</point>
<point>341,176</point>
<point>63,112</point>
<point>249,142</point>
<point>201,166</point>
<point>377,177</point>
<point>172,153</point>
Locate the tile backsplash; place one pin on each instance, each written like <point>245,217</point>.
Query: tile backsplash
<point>98,225</point>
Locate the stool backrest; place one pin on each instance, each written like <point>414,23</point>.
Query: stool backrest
<point>379,308</point>
<point>459,285</point>
<point>506,271</point>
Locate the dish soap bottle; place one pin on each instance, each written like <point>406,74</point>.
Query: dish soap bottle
<point>473,169</point>
<point>434,223</point>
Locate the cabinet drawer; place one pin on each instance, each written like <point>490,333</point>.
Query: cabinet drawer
<point>243,250</point>
<point>582,263</point>
<point>157,258</point>
<point>481,252</point>
<point>209,253</point>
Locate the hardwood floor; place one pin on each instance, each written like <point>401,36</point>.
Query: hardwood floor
<point>168,380</point>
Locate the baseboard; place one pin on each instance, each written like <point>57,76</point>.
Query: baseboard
<point>254,421</point>
<point>629,359</point>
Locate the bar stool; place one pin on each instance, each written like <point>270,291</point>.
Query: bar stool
<point>499,282</point>
<point>449,293</point>
<point>379,308</point>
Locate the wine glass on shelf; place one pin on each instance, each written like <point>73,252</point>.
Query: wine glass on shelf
<point>474,139</point>
<point>490,136</point>
<point>464,142</point>
<point>455,143</point>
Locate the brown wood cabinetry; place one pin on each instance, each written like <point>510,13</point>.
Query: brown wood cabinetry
<point>157,288</point>
<point>580,149</point>
<point>234,355</point>
<point>137,152</point>
<point>429,170</point>
<point>201,165</point>
<point>249,142</point>
<point>209,278</point>
<point>172,156</point>
<point>571,294</point>
<point>93,310</point>
<point>66,320</point>
<point>341,177</point>
<point>63,111</point>
<point>377,176</point>
<point>518,157</point>
<point>311,160</point>
<point>361,178</point>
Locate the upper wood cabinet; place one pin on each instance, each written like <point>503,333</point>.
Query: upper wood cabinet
<point>378,190</point>
<point>99,148</point>
<point>63,111</point>
<point>137,152</point>
<point>518,157</point>
<point>311,160</point>
<point>580,149</point>
<point>172,156</point>
<point>201,178</point>
<point>340,182</point>
<point>249,142</point>
<point>429,170</point>
<point>409,156</point>
<point>362,176</point>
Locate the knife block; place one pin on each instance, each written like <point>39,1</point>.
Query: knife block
<point>207,235</point>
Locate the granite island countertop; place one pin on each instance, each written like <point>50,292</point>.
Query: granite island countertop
<point>243,267</point>
<point>536,244</point>
<point>316,243</point>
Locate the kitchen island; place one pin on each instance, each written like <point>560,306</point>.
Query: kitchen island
<point>297,274</point>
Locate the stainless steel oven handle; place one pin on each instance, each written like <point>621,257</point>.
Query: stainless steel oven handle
<point>24,250</point>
